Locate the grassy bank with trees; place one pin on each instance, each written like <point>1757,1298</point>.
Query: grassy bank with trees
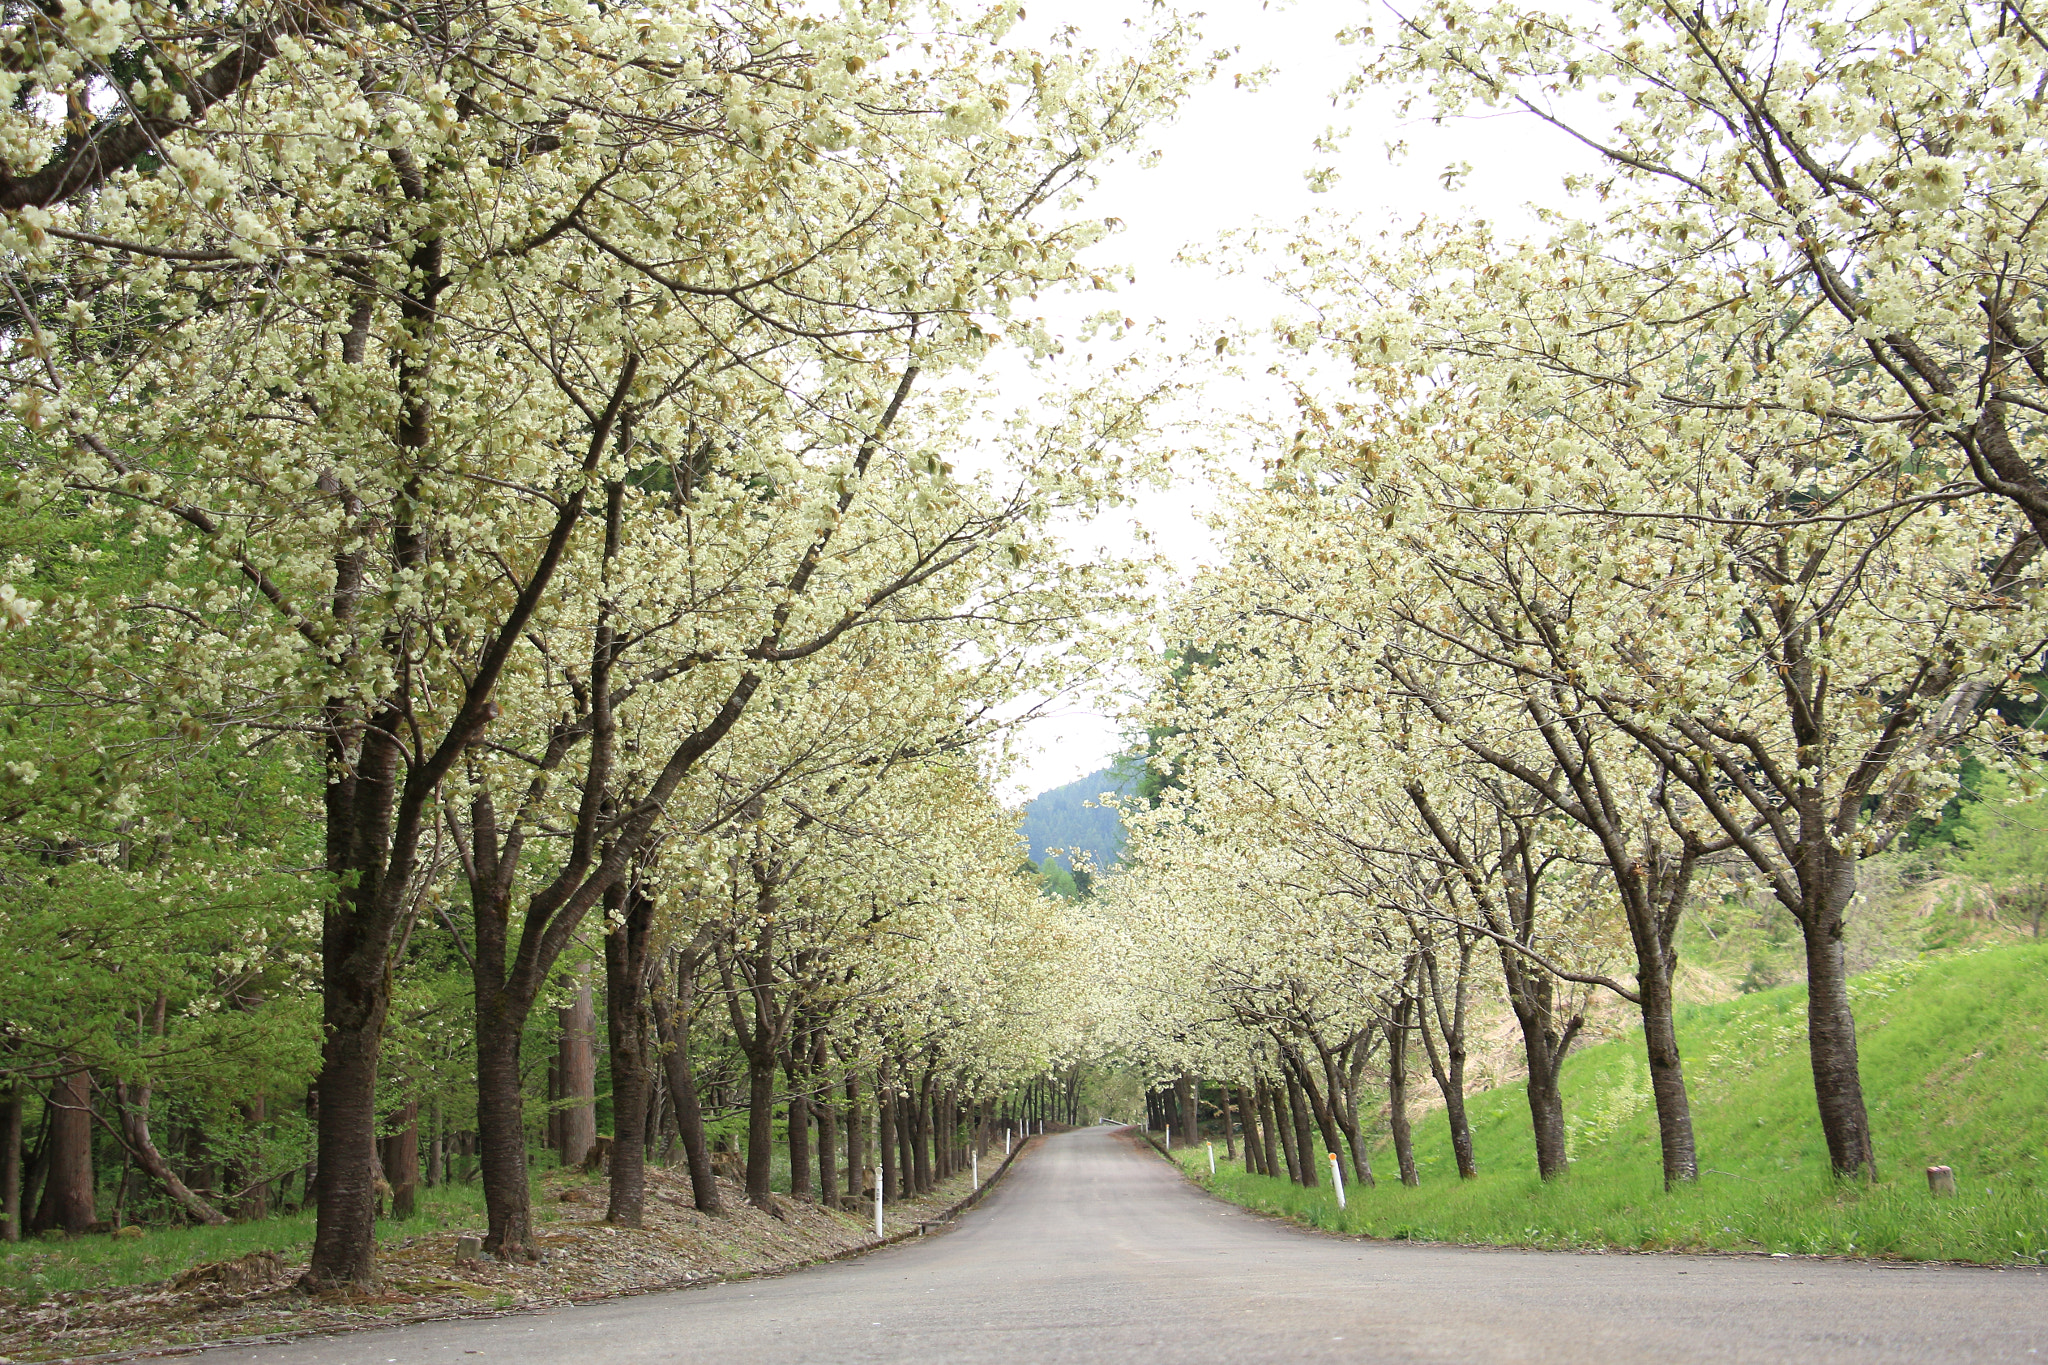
<point>1952,1048</point>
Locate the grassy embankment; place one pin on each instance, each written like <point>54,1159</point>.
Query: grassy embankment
<point>57,1264</point>
<point>1955,1070</point>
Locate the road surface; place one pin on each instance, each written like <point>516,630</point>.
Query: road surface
<point>1093,1250</point>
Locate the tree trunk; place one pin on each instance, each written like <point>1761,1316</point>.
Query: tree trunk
<point>629,917</point>
<point>1248,1119</point>
<point>828,1130</point>
<point>1531,993</point>
<point>1304,1129</point>
<point>501,1133</point>
<point>1229,1133</point>
<point>253,1199</point>
<point>760,1129</point>
<point>11,1111</point>
<point>437,1153</point>
<point>1397,1093</point>
<point>856,1138</point>
<point>885,1119</point>
<point>907,1146</point>
<point>578,1069</point>
<point>1184,1101</point>
<point>1667,1074</point>
<point>1831,1026</point>
<point>1280,1125</point>
<point>1272,1136</point>
<point>69,1198</point>
<point>799,1128</point>
<point>401,1158</point>
<point>682,1084</point>
<point>921,1136</point>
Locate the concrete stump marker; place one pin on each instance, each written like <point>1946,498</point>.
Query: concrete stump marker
<point>468,1248</point>
<point>1941,1180</point>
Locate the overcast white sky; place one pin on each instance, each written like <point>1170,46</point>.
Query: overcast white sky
<point>1235,158</point>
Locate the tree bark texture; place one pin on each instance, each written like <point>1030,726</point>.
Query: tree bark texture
<point>69,1200</point>
<point>630,915</point>
<point>1397,1092</point>
<point>1831,1023</point>
<point>501,1136</point>
<point>856,1138</point>
<point>885,1111</point>
<point>577,1068</point>
<point>682,1084</point>
<point>12,1109</point>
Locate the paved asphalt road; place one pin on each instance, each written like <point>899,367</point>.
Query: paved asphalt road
<point>1094,1250</point>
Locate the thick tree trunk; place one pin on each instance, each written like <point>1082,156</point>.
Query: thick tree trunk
<point>501,1133</point>
<point>625,977</point>
<point>69,1198</point>
<point>345,1187</point>
<point>11,1111</point>
<point>1184,1100</point>
<point>682,1084</point>
<point>1229,1129</point>
<point>1831,1026</point>
<point>578,1071</point>
<point>1667,1076</point>
<point>760,1130</point>
<point>1546,1114</point>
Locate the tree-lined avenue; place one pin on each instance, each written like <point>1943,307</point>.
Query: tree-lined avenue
<point>1093,1250</point>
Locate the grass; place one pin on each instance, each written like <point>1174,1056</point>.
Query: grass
<point>1953,1050</point>
<point>32,1270</point>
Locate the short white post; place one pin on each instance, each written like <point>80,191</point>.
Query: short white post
<point>1169,1137</point>
<point>1336,1176</point>
<point>1006,1142</point>
<point>974,1164</point>
<point>1212,1158</point>
<point>878,1201</point>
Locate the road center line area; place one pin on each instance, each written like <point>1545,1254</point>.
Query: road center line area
<point>1095,1250</point>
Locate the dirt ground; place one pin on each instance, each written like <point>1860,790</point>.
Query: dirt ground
<point>582,1260</point>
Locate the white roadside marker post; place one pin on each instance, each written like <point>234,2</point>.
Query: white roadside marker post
<point>878,1201</point>
<point>1336,1177</point>
<point>974,1163</point>
<point>1212,1158</point>
<point>1006,1142</point>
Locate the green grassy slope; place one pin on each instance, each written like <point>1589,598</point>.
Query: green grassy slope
<point>1955,1071</point>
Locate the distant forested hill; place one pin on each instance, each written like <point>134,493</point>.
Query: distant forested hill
<point>1061,818</point>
